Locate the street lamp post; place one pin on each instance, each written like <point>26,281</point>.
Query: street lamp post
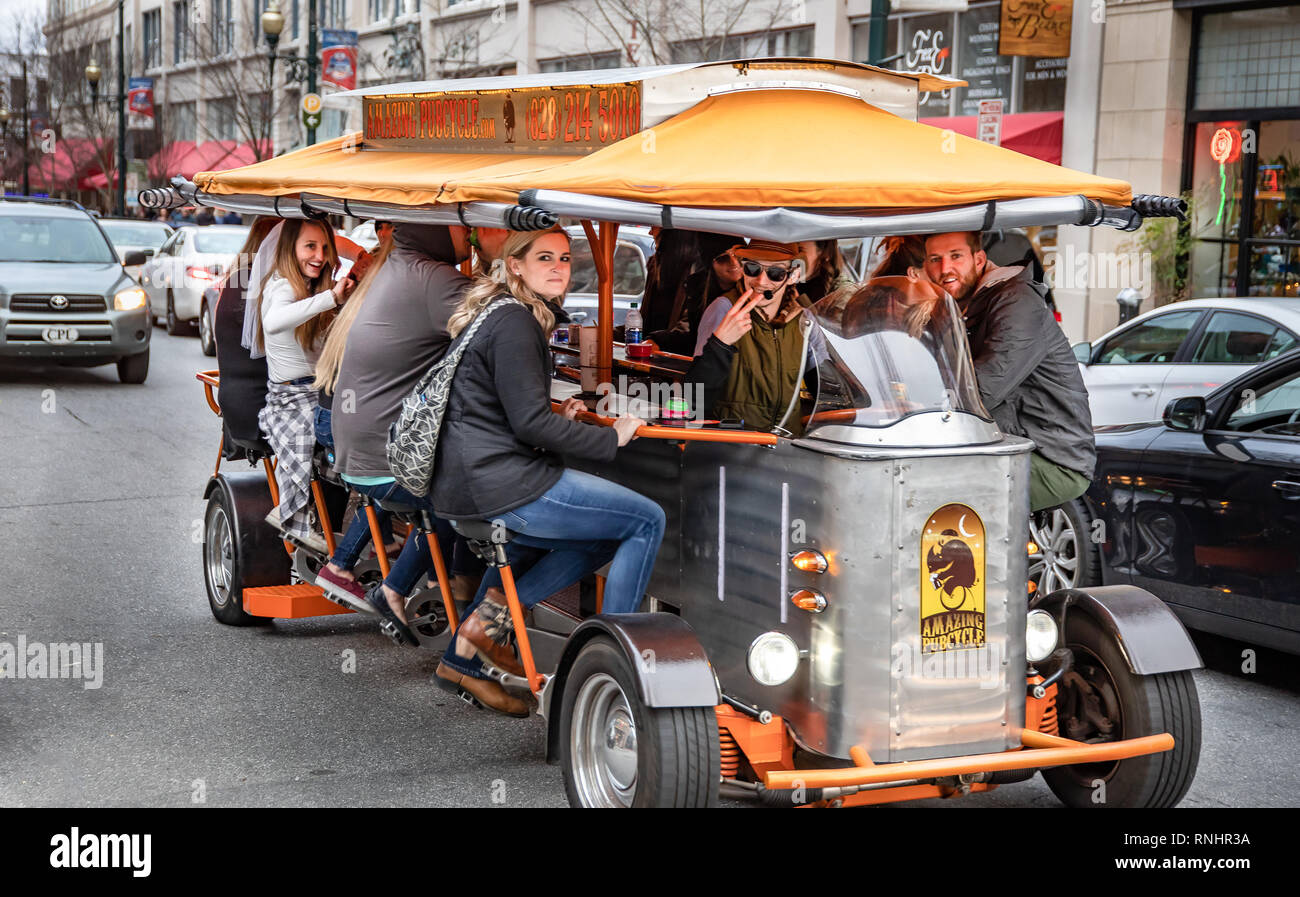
<point>299,69</point>
<point>93,74</point>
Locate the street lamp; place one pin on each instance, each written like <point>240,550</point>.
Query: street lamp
<point>299,69</point>
<point>93,74</point>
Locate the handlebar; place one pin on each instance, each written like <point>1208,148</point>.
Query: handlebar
<point>210,380</point>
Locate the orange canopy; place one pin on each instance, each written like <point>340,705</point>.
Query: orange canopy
<point>338,168</point>
<point>768,148</point>
<point>754,148</point>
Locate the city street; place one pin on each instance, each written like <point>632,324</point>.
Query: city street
<point>100,504</point>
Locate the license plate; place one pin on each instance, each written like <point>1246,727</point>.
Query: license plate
<point>59,336</point>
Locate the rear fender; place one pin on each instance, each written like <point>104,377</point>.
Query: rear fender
<point>262,558</point>
<point>1149,635</point>
<point>670,665</point>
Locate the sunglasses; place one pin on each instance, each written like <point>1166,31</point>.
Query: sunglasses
<point>775,273</point>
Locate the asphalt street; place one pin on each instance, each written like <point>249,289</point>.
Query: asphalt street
<point>100,521</point>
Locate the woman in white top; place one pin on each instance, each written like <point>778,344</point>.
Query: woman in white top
<point>294,310</point>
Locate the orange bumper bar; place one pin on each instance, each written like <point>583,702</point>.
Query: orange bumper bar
<point>1045,750</point>
<point>210,380</point>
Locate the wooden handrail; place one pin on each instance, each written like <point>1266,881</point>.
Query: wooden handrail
<point>683,434</point>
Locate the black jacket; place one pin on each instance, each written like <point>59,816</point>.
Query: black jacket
<point>1028,377</point>
<point>500,443</point>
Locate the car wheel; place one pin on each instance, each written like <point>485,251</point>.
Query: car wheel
<point>206,337</point>
<point>173,323</point>
<point>1101,700</point>
<point>617,752</point>
<point>1062,554</point>
<point>134,368</point>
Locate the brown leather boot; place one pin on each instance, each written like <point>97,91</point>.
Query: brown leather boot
<point>488,630</point>
<point>487,692</point>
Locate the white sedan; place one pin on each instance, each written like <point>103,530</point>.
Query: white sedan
<point>1183,349</point>
<point>187,264</point>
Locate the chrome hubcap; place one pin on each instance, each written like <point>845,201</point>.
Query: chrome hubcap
<point>218,557</point>
<point>603,744</point>
<point>1055,565</point>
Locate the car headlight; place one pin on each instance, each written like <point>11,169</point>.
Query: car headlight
<point>129,299</point>
<point>1041,635</point>
<point>773,658</point>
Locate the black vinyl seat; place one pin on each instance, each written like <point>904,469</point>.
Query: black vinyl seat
<point>242,393</point>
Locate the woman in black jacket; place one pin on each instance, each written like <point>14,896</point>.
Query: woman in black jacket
<point>499,456</point>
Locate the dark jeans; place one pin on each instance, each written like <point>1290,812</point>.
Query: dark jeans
<point>348,552</point>
<point>415,562</point>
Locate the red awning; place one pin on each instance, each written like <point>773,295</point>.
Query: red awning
<point>73,158</point>
<point>185,158</point>
<point>1036,134</point>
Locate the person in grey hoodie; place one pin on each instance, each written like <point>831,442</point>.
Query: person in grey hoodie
<point>1028,377</point>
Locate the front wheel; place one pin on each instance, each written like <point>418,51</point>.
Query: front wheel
<point>617,752</point>
<point>221,564</point>
<point>134,368</point>
<point>1101,700</point>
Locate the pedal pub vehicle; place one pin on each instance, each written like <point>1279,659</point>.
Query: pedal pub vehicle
<point>836,618</point>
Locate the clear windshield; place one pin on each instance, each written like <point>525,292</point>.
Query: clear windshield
<point>39,238</point>
<point>223,241</point>
<point>127,233</point>
<point>895,346</point>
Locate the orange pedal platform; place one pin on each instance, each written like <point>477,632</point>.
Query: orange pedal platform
<point>289,602</point>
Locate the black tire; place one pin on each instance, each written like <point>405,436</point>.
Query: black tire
<point>1070,559</point>
<point>134,368</point>
<point>221,566</point>
<point>207,340</point>
<point>1143,705</point>
<point>173,323</point>
<point>678,758</point>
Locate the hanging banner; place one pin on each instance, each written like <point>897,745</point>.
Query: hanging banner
<point>140,104</point>
<point>1036,28</point>
<point>338,58</point>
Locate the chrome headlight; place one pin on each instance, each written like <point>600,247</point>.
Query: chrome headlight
<point>129,299</point>
<point>773,658</point>
<point>1041,635</point>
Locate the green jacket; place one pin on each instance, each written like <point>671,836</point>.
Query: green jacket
<point>756,379</point>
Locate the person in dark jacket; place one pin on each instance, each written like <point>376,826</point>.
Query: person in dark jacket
<point>1027,375</point>
<point>499,458</point>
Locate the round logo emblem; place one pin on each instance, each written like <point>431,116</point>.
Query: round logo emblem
<point>58,303</point>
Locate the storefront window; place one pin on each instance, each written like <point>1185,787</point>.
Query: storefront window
<point>1042,85</point>
<point>927,47</point>
<point>988,74</point>
<point>1217,179</point>
<point>1248,59</point>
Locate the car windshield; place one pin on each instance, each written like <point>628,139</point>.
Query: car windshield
<point>40,238</point>
<point>629,269</point>
<point>129,233</point>
<point>894,347</point>
<point>223,241</point>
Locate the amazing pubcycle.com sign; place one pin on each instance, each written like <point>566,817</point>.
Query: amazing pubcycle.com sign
<point>568,120</point>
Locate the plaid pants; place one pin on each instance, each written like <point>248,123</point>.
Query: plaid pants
<point>288,421</point>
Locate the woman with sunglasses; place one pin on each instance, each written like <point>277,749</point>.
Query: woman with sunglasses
<point>750,355</point>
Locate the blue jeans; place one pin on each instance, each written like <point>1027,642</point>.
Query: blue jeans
<point>348,552</point>
<point>415,562</point>
<point>586,522</point>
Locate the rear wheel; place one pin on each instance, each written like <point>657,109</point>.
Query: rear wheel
<point>1101,700</point>
<point>617,752</point>
<point>173,323</point>
<point>134,368</point>
<point>221,567</point>
<point>206,339</point>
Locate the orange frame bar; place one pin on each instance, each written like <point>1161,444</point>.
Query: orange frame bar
<point>1046,750</point>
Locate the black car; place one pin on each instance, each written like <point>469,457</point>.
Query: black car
<point>1203,508</point>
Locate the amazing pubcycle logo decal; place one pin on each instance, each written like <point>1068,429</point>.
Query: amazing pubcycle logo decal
<point>952,580</point>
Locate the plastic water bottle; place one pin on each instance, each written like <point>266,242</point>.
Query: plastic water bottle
<point>632,325</point>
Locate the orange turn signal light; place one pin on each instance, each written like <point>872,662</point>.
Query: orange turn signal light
<point>1032,547</point>
<point>810,560</point>
<point>808,599</point>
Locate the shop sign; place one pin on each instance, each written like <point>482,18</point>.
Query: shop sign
<point>1035,28</point>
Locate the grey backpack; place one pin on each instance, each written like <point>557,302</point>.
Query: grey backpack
<point>413,437</point>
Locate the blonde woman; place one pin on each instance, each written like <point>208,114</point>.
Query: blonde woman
<point>499,458</point>
<point>294,308</point>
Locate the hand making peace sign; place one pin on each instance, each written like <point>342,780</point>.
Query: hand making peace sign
<point>737,322</point>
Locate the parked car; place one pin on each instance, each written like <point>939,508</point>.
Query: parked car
<point>65,296</point>
<point>635,247</point>
<point>1203,508</point>
<point>1184,349</point>
<point>132,234</point>
<point>188,263</point>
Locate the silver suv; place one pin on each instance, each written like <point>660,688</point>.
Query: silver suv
<point>65,296</point>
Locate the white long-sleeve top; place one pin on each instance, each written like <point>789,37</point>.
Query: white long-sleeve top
<point>281,314</point>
